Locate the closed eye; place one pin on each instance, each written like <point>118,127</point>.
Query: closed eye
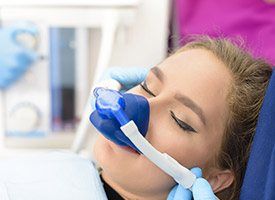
<point>143,85</point>
<point>182,124</point>
<point>179,122</point>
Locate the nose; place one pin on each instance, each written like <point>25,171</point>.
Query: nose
<point>105,117</point>
<point>156,103</point>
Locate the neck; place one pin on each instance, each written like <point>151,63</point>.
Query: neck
<point>128,195</point>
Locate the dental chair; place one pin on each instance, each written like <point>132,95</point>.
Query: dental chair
<point>63,176</point>
<point>259,180</point>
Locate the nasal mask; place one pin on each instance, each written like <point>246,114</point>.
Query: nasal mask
<point>124,119</point>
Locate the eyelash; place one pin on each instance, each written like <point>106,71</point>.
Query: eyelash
<point>143,85</point>
<point>180,123</point>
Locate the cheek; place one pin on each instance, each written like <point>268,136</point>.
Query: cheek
<point>101,150</point>
<point>123,169</point>
<point>189,149</point>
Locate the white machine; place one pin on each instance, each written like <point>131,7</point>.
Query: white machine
<point>77,40</point>
<point>47,102</point>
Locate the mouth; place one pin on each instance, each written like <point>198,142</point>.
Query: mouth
<point>121,148</point>
<point>129,149</point>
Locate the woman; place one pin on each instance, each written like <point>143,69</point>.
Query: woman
<point>204,104</point>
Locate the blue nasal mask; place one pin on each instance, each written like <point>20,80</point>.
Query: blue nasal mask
<point>123,119</point>
<point>114,109</point>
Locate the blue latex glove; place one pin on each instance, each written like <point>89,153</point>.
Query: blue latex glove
<point>127,77</point>
<point>14,57</point>
<point>201,189</point>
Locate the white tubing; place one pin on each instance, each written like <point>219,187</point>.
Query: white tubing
<point>181,175</point>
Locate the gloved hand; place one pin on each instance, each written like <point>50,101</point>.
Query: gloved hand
<point>201,190</point>
<point>14,57</point>
<point>127,77</point>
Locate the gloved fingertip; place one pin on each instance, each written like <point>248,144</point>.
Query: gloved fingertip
<point>145,71</point>
<point>171,194</point>
<point>33,55</point>
<point>197,171</point>
<point>26,57</point>
<point>182,193</point>
<point>128,75</point>
<point>179,193</point>
<point>139,73</point>
<point>202,190</point>
<point>116,73</point>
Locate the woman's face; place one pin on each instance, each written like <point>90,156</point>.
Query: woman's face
<point>187,97</point>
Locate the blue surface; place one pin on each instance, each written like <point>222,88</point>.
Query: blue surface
<point>259,181</point>
<point>111,104</point>
<point>135,108</point>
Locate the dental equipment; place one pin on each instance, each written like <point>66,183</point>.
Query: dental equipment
<point>122,112</point>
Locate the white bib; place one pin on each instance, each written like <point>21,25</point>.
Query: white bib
<point>51,176</point>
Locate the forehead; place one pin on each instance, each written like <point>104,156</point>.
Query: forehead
<point>198,74</point>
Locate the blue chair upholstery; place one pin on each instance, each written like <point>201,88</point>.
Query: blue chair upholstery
<point>259,180</point>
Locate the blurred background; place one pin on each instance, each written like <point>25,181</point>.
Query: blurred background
<point>76,42</point>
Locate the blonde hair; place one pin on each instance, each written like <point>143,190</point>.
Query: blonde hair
<point>245,97</point>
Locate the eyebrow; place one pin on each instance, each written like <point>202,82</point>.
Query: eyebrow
<point>192,105</point>
<point>158,73</point>
<point>186,101</point>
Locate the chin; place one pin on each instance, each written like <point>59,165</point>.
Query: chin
<point>129,170</point>
<point>102,151</point>
<point>110,155</point>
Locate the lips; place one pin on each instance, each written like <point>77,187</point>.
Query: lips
<point>129,149</point>
<point>124,148</point>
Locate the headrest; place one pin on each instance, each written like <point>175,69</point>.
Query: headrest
<point>259,180</point>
